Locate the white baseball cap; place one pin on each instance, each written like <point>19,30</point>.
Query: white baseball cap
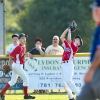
<point>56,37</point>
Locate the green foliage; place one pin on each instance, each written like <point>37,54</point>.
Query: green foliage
<point>46,18</point>
<point>13,7</point>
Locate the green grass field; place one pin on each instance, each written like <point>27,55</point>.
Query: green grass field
<point>39,97</point>
<point>43,96</point>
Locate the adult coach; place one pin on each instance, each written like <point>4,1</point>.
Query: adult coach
<point>17,68</point>
<point>70,48</point>
<point>91,89</point>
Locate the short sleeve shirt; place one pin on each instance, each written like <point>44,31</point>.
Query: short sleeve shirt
<point>54,50</point>
<point>69,50</point>
<point>18,54</point>
<point>74,48</point>
<point>95,42</point>
<point>11,47</point>
<point>34,51</point>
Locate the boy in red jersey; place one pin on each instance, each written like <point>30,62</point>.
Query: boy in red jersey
<point>17,68</point>
<point>70,49</point>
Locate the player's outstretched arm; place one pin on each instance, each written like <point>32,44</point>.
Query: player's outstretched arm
<point>62,37</point>
<point>31,56</point>
<point>94,65</point>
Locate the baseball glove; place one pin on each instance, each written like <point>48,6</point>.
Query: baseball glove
<point>6,69</point>
<point>73,26</point>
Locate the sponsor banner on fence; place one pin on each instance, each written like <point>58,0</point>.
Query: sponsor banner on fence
<point>46,73</point>
<point>5,78</point>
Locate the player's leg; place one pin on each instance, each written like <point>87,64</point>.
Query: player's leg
<point>65,70</point>
<point>86,93</point>
<point>10,83</point>
<point>25,79</point>
<point>69,80</point>
<point>68,90</point>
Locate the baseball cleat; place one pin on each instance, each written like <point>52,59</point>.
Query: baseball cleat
<point>72,99</point>
<point>29,97</point>
<point>2,97</point>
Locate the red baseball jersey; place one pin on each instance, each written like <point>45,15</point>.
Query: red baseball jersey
<point>69,50</point>
<point>18,54</point>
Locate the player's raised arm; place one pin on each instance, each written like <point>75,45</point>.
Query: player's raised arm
<point>62,37</point>
<point>69,36</point>
<point>72,27</point>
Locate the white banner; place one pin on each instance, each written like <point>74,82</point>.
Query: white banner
<point>45,72</point>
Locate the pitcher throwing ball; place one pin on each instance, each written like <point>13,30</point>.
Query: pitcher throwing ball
<point>70,49</point>
<point>17,68</point>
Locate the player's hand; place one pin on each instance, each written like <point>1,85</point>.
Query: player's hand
<point>26,54</point>
<point>89,75</point>
<point>31,56</point>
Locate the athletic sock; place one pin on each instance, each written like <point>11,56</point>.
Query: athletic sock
<point>5,89</point>
<point>25,88</point>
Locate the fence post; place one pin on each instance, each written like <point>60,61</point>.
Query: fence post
<point>2,27</point>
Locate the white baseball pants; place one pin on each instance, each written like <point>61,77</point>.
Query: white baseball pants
<point>17,70</point>
<point>67,73</point>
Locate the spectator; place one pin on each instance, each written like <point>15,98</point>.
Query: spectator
<point>38,50</point>
<point>55,48</point>
<point>11,47</point>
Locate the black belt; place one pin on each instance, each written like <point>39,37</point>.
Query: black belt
<point>65,61</point>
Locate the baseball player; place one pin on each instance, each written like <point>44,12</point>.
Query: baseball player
<point>17,68</point>
<point>70,49</point>
<point>11,47</point>
<point>91,89</point>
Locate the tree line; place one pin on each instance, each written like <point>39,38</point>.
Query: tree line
<point>46,18</point>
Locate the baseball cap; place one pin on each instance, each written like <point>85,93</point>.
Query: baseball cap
<point>56,37</point>
<point>22,35</point>
<point>81,41</point>
<point>14,35</point>
<point>96,3</point>
<point>38,39</point>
